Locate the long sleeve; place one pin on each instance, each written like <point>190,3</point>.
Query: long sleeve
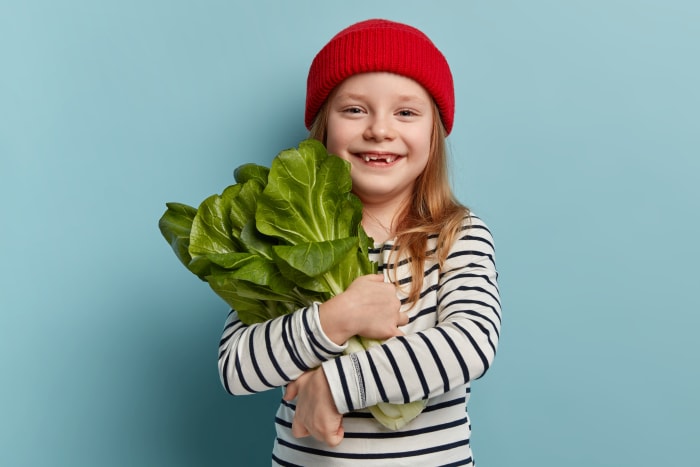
<point>267,355</point>
<point>451,338</point>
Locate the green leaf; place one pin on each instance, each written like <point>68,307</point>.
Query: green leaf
<point>306,194</point>
<point>211,228</point>
<point>200,266</point>
<point>251,171</point>
<point>253,303</point>
<point>315,258</point>
<point>306,284</point>
<point>255,242</point>
<point>242,201</point>
<point>234,260</point>
<point>264,273</point>
<point>267,310</point>
<point>244,295</point>
<point>175,225</point>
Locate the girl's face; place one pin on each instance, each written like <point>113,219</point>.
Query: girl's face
<point>382,124</point>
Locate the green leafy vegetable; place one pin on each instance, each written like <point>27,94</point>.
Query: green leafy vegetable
<point>280,239</point>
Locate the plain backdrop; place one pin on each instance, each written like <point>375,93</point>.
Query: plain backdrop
<point>576,138</point>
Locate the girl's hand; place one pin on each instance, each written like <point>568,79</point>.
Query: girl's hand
<point>368,308</point>
<point>316,413</point>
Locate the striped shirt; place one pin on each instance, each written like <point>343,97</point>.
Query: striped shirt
<point>450,340</point>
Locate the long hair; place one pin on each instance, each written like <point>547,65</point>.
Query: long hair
<point>431,210</point>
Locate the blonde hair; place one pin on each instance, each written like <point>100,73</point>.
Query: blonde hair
<point>433,208</point>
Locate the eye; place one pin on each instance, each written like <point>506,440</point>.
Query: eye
<point>406,113</point>
<point>352,110</point>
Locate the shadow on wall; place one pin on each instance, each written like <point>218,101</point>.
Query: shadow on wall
<point>170,407</point>
<point>205,424</point>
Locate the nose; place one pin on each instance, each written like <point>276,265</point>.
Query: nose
<point>379,128</point>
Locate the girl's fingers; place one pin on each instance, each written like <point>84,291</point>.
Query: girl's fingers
<point>299,430</point>
<point>290,392</point>
<point>375,277</point>
<point>335,438</point>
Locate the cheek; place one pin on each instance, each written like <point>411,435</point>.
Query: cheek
<point>333,147</point>
<point>335,140</point>
<point>331,143</point>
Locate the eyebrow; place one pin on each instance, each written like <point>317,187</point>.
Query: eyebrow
<point>401,97</point>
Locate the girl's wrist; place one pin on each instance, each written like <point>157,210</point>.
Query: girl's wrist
<point>334,322</point>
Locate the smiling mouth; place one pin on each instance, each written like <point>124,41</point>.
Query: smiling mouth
<point>385,158</point>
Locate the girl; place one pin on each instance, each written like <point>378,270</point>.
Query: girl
<point>380,95</point>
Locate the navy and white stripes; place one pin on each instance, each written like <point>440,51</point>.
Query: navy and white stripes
<point>450,340</point>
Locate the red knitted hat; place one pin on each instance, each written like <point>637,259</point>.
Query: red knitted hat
<point>380,45</point>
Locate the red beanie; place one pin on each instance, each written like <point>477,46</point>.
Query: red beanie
<point>380,45</point>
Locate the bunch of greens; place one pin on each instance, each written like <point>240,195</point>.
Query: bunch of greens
<point>280,239</point>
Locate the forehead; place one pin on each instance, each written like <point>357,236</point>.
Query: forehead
<point>382,84</point>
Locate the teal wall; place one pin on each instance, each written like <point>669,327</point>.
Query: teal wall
<point>576,138</point>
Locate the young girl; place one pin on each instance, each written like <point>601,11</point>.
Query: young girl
<point>380,95</point>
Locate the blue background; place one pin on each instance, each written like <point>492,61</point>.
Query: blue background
<point>576,138</point>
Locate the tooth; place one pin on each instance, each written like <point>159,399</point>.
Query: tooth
<point>389,160</point>
<point>366,158</point>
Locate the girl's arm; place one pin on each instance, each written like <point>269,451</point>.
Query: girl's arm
<point>368,307</point>
<point>267,355</point>
<point>457,349</point>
